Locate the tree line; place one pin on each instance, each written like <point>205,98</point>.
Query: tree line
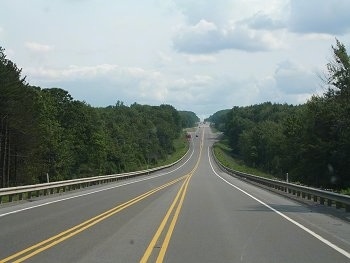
<point>310,142</point>
<point>46,131</point>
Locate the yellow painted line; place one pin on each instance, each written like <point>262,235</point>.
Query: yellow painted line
<point>166,241</point>
<point>54,240</point>
<point>182,192</point>
<point>159,231</point>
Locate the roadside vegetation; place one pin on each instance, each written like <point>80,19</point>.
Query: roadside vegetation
<point>46,131</point>
<point>181,146</point>
<point>310,142</point>
<point>223,153</point>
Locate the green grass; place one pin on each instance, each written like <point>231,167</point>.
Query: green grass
<point>213,129</point>
<point>4,199</point>
<point>181,146</point>
<point>193,129</point>
<point>223,151</point>
<point>345,191</point>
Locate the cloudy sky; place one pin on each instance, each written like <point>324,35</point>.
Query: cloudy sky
<point>196,55</point>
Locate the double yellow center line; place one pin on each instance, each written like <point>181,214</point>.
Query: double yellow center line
<point>178,201</point>
<point>174,211</point>
<point>54,240</point>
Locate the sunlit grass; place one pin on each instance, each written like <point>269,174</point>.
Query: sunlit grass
<point>180,148</point>
<point>345,191</point>
<point>222,152</point>
<point>193,129</point>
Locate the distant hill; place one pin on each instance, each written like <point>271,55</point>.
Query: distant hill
<point>218,118</point>
<point>188,119</point>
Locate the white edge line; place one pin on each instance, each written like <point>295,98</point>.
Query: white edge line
<point>96,191</point>
<point>320,238</point>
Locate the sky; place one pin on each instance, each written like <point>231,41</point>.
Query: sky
<point>197,55</point>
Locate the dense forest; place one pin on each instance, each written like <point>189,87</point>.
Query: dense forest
<point>310,142</point>
<point>47,131</point>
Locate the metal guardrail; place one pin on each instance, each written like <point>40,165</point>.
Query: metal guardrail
<point>36,190</point>
<point>317,195</point>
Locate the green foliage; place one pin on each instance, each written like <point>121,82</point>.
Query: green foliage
<point>311,142</point>
<point>18,121</point>
<point>188,119</point>
<point>218,119</point>
<point>47,131</point>
<point>224,154</point>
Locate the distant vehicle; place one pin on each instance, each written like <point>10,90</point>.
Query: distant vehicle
<point>196,135</point>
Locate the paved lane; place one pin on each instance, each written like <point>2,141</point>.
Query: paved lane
<point>220,223</point>
<point>190,213</point>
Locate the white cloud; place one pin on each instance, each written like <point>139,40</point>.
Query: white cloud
<point>199,59</point>
<point>164,57</point>
<point>314,16</point>
<point>195,81</point>
<point>105,82</point>
<point>225,53</point>
<point>317,37</point>
<point>202,27</point>
<point>247,26</point>
<point>218,11</point>
<point>72,72</point>
<point>293,79</point>
<point>261,21</point>
<point>37,47</point>
<point>206,37</point>
<point>290,83</point>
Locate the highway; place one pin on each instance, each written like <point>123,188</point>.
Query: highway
<point>192,212</point>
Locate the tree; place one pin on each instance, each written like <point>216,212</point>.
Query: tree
<point>47,131</point>
<point>339,72</point>
<point>337,100</point>
<point>17,121</point>
<point>188,119</point>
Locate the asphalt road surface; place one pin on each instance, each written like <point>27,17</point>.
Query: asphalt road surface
<point>192,212</point>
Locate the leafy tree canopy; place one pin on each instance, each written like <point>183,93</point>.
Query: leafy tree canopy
<point>47,131</point>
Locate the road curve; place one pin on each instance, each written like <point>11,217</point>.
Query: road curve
<point>192,212</point>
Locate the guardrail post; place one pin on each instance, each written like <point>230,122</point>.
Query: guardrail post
<point>329,202</point>
<point>340,201</point>
<point>10,198</point>
<point>322,200</point>
<point>337,205</point>
<point>0,199</point>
